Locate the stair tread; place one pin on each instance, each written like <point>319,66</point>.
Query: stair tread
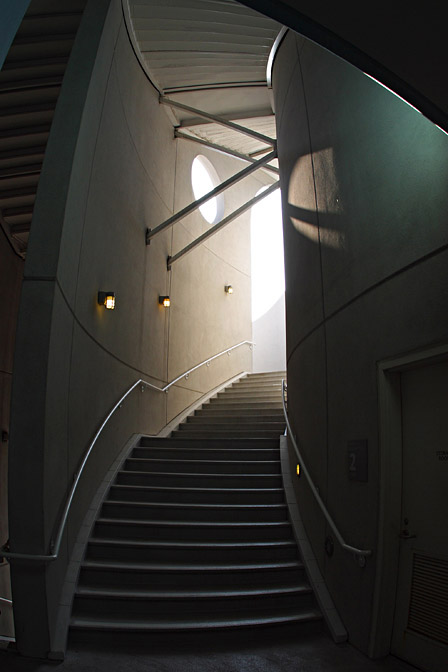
<point>153,460</point>
<point>192,567</point>
<point>166,488</point>
<point>190,523</point>
<point>112,593</point>
<point>190,474</point>
<point>142,543</point>
<point>196,506</point>
<point>196,624</point>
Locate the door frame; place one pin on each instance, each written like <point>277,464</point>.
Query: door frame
<point>390,490</point>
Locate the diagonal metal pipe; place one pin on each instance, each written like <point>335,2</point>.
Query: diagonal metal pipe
<point>220,148</point>
<point>219,120</point>
<point>150,233</point>
<point>221,224</point>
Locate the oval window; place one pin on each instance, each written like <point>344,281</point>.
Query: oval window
<point>204,178</point>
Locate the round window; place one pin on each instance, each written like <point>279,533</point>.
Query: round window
<point>204,178</point>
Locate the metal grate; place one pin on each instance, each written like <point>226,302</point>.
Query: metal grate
<point>428,609</point>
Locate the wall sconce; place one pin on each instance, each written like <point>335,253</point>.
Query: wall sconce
<point>107,299</point>
<point>165,301</point>
<point>228,289</point>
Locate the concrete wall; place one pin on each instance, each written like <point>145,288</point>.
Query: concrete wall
<point>365,211</point>
<point>112,169</point>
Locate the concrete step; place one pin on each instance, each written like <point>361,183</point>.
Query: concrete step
<point>202,466</point>
<point>218,575</point>
<point>199,604</point>
<point>217,623</point>
<point>221,443</point>
<point>231,553</point>
<point>265,375</point>
<point>230,432</point>
<point>233,427</point>
<point>217,411</point>
<point>260,385</point>
<point>163,530</point>
<point>171,479</point>
<point>194,512</point>
<point>268,395</point>
<point>241,406</point>
<point>185,453</point>
<point>234,419</point>
<point>141,493</point>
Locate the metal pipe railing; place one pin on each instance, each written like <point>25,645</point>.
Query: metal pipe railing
<point>360,553</point>
<point>55,543</point>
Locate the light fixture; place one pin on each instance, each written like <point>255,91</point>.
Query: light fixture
<point>298,470</point>
<point>164,301</point>
<point>107,299</point>
<point>228,289</point>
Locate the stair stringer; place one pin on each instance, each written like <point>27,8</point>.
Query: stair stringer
<point>323,597</point>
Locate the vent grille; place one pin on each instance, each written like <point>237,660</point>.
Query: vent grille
<point>428,609</point>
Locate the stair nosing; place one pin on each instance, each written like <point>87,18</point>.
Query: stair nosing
<point>195,505</point>
<point>184,567</point>
<point>157,626</point>
<point>110,594</point>
<point>142,543</point>
<point>190,523</point>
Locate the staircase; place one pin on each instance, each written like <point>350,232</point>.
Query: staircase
<point>30,83</point>
<point>194,532</point>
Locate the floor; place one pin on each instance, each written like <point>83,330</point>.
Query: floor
<point>316,653</point>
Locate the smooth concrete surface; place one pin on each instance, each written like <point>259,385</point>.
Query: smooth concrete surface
<point>261,653</point>
<point>365,228</point>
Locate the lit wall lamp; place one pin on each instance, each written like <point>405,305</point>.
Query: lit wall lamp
<point>228,289</point>
<point>107,299</point>
<point>164,301</point>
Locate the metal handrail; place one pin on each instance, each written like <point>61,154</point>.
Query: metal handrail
<point>55,543</point>
<point>362,554</point>
<point>272,55</point>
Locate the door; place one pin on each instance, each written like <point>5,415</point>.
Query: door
<point>420,632</point>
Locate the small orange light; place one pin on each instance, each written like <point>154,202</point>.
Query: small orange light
<point>165,301</point>
<point>298,470</point>
<point>107,299</point>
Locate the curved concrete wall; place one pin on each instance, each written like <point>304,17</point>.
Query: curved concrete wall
<point>112,169</point>
<point>365,211</point>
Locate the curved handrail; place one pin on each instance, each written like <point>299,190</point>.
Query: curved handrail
<point>56,543</point>
<point>362,554</point>
<point>272,55</point>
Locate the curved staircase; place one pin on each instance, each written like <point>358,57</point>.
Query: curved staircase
<point>194,532</point>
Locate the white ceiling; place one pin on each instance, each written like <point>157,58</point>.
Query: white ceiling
<point>211,55</point>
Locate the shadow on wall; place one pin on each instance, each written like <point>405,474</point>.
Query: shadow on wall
<point>268,333</point>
